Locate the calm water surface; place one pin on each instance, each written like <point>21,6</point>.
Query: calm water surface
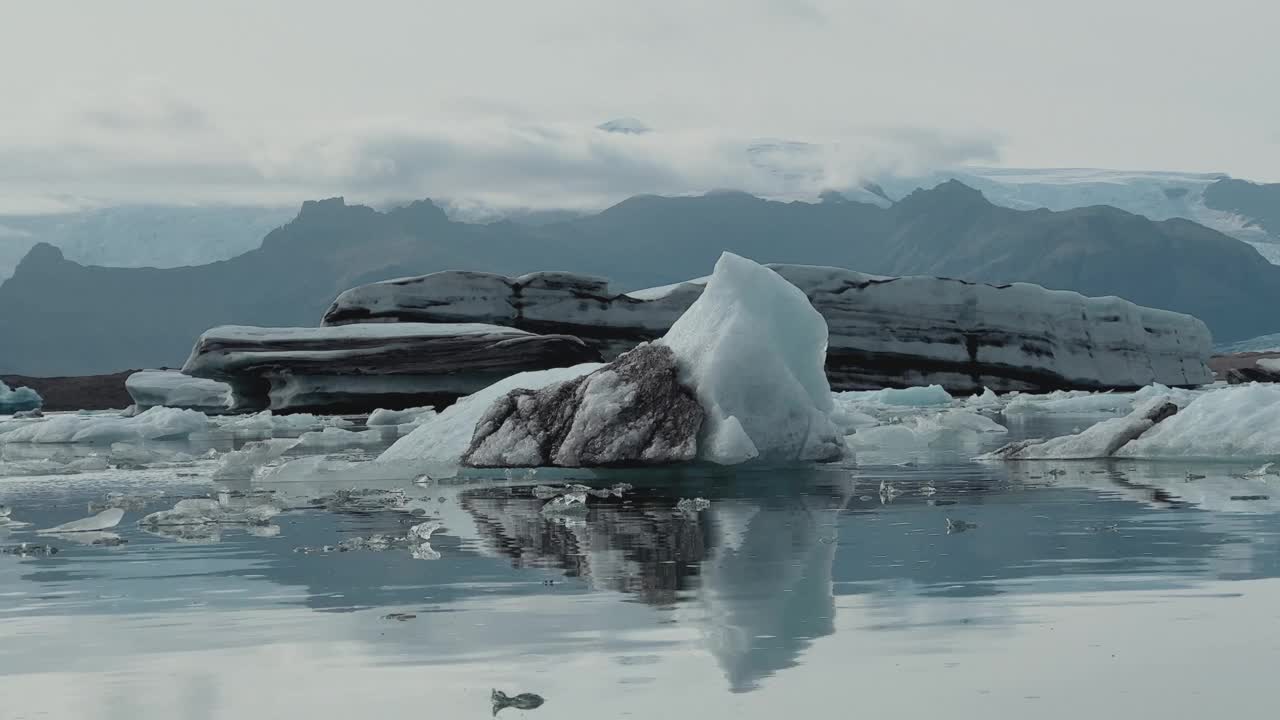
<point>1100,590</point>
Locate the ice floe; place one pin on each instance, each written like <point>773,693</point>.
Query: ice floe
<point>20,399</point>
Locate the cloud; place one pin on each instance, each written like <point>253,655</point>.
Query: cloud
<point>150,144</point>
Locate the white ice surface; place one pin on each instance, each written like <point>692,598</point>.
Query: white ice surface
<point>408,416</point>
<point>267,423</point>
<point>155,424</point>
<point>170,388</point>
<point>753,349</point>
<point>1235,422</point>
<point>104,520</point>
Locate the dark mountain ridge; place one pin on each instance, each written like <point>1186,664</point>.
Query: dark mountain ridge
<point>60,317</point>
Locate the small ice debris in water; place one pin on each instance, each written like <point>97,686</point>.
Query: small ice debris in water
<point>1259,473</point>
<point>424,479</point>
<point>1192,476</point>
<point>546,492</point>
<point>104,520</point>
<point>570,502</point>
<point>888,491</point>
<point>109,540</point>
<point>1112,527</point>
<point>5,511</point>
<point>29,549</point>
<point>28,414</point>
<point>1057,472</point>
<point>693,506</point>
<point>523,701</point>
<point>399,616</point>
<point>422,532</point>
<point>620,488</point>
<point>959,526</point>
<point>928,490</point>
<point>1250,497</point>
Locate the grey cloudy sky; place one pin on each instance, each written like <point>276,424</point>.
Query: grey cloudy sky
<point>170,100</point>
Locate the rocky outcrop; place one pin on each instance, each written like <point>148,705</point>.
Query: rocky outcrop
<point>359,368</point>
<point>884,331</point>
<point>1241,368</point>
<point>634,411</point>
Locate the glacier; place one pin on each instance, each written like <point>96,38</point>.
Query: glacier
<point>883,331</point>
<point>359,368</point>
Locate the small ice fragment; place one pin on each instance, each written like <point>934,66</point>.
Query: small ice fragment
<point>29,549</point>
<point>423,531</point>
<point>423,479</point>
<point>888,491</point>
<point>546,492</point>
<point>1259,473</point>
<point>5,511</point>
<point>571,502</point>
<point>104,520</point>
<point>693,506</point>
<point>399,616</point>
<point>928,490</point>
<point>523,701</point>
<point>620,488</point>
<point>959,526</point>
<point>1192,476</point>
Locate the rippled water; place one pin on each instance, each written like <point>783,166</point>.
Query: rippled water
<point>1096,590</point>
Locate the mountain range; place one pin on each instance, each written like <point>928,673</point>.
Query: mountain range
<point>60,317</point>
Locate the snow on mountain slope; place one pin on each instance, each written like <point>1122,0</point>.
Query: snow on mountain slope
<point>1152,194</point>
<point>141,236</point>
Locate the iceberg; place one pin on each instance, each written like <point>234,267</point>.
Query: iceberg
<point>407,416</point>
<point>1237,422</point>
<point>158,423</point>
<point>896,332</point>
<point>104,520</point>
<point>738,377</point>
<point>14,400</point>
<point>170,388</point>
<point>752,347</point>
<point>1098,441</point>
<point>358,368</point>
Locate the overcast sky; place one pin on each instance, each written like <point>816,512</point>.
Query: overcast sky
<point>275,101</point>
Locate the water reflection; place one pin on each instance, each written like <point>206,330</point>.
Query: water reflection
<point>781,562</point>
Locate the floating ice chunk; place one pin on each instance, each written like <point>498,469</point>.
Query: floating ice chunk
<point>104,520</point>
<point>1239,422</point>
<point>1259,473</point>
<point>241,464</point>
<point>927,396</point>
<point>19,399</point>
<point>419,539</point>
<point>154,424</point>
<point>568,503</point>
<point>268,424</point>
<point>445,437</point>
<point>52,466</point>
<point>1073,402</point>
<point>408,416</point>
<point>692,506</point>
<point>208,511</point>
<point>926,430</point>
<point>988,400</point>
<point>170,388</point>
<point>752,347</point>
<point>332,439</point>
<point>1099,441</point>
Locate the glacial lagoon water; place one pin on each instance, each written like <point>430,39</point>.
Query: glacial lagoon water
<point>1075,589</point>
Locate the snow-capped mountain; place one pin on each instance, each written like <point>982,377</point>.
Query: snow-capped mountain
<point>1204,198</point>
